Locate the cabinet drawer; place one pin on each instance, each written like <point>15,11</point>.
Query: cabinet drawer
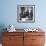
<point>13,33</point>
<point>34,33</point>
<point>20,44</point>
<point>37,44</point>
<point>27,41</point>
<point>12,39</point>
<point>37,39</point>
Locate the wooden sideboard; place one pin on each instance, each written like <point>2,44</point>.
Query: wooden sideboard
<point>23,39</point>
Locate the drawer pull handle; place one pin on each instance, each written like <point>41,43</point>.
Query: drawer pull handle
<point>10,38</point>
<point>33,39</point>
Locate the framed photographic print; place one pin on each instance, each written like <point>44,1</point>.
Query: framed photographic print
<point>26,13</point>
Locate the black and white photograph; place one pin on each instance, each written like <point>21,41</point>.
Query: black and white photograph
<point>26,13</point>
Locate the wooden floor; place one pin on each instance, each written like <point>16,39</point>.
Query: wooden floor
<point>0,44</point>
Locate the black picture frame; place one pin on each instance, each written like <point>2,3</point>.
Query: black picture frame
<point>26,13</point>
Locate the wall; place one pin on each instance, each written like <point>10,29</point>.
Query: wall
<point>9,13</point>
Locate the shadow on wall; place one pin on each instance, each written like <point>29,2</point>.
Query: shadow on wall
<point>2,26</point>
